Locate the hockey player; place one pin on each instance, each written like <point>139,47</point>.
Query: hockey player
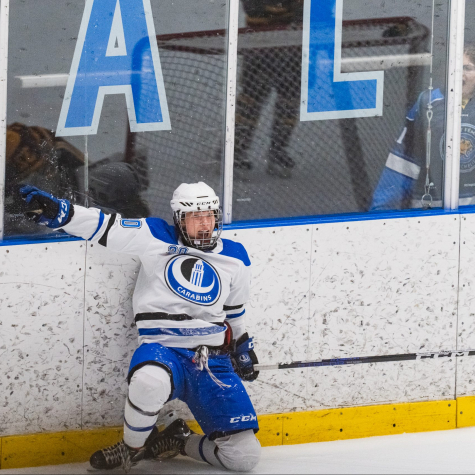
<point>408,181</point>
<point>189,311</point>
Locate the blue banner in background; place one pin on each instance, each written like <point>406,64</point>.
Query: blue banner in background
<point>327,93</point>
<point>112,33</point>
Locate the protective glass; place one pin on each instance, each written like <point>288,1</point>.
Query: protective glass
<point>467,137</point>
<point>114,104</point>
<point>335,101</point>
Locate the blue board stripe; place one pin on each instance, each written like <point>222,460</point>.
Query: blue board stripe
<point>274,223</point>
<point>343,218</point>
<point>58,236</point>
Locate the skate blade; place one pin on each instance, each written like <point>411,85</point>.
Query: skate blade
<point>166,455</point>
<point>103,470</point>
<point>110,470</point>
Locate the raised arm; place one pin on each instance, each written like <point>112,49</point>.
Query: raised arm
<point>130,236</point>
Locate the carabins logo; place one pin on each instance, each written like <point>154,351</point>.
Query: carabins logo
<point>193,279</point>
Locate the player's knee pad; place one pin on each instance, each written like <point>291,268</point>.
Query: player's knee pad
<point>239,452</point>
<point>150,388</point>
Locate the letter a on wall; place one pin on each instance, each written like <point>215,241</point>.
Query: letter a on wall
<point>327,93</point>
<point>116,53</point>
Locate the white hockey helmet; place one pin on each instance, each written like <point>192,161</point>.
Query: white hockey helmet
<point>196,198</point>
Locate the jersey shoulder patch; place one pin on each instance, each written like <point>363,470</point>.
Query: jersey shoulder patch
<point>236,250</point>
<point>162,231</point>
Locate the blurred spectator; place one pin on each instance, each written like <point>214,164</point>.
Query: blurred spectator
<point>35,156</point>
<point>264,70</point>
<point>406,179</point>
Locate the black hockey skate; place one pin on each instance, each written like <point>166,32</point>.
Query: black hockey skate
<point>118,455</point>
<point>169,442</point>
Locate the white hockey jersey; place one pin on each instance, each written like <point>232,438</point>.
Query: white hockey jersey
<point>183,295</point>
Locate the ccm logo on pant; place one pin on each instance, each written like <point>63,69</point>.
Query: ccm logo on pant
<point>243,419</point>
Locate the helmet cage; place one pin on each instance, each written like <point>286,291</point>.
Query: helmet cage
<point>204,243</point>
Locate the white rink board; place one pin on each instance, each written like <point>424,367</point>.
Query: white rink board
<point>311,291</point>
<point>278,310</point>
<point>353,385</point>
<point>110,337</point>
<point>384,287</point>
<point>41,337</point>
<point>397,276</point>
<point>466,308</point>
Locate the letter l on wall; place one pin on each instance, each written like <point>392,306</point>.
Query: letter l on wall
<point>327,93</point>
<point>116,53</point>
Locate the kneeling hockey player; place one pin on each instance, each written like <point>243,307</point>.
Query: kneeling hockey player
<point>189,310</point>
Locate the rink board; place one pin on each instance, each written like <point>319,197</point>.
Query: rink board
<point>466,306</point>
<point>369,421</point>
<point>41,337</point>
<point>320,290</point>
<point>276,429</point>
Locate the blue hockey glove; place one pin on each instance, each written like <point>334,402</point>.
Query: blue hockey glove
<point>48,210</point>
<point>244,358</point>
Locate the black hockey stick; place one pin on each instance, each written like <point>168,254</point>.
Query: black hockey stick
<point>366,359</point>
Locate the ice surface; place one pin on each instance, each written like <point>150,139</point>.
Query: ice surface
<point>431,452</point>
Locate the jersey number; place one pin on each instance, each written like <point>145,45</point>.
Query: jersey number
<point>177,250</point>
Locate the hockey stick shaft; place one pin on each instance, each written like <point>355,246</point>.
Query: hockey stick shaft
<point>365,360</point>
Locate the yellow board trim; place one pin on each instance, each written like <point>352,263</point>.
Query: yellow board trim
<point>466,411</point>
<point>35,450</point>
<point>369,421</point>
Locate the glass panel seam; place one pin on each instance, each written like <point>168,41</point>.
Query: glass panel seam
<point>230,111</point>
<point>4,11</point>
<point>454,105</point>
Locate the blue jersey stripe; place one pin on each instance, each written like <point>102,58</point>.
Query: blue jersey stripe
<point>182,331</point>
<point>236,315</point>
<point>101,220</point>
